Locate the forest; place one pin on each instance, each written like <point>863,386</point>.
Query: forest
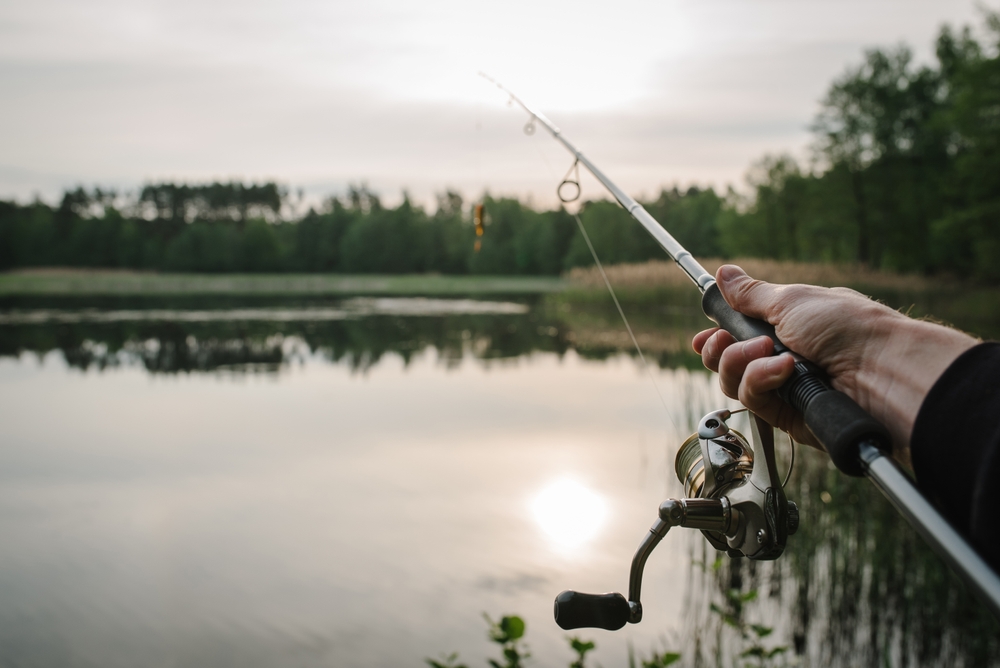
<point>904,175</point>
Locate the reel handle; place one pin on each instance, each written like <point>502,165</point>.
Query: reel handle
<point>574,610</point>
<point>837,422</point>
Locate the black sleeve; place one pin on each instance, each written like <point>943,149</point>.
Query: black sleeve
<point>955,447</point>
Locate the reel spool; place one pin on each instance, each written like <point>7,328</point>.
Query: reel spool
<point>734,496</point>
<point>733,464</point>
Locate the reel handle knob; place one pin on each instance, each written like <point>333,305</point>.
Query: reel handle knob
<point>574,610</point>
<point>792,521</point>
<point>837,422</point>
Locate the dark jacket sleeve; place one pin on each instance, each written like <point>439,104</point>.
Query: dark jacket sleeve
<point>955,447</point>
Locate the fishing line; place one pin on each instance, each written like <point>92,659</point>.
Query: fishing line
<point>574,171</point>
<point>645,366</point>
<point>573,178</point>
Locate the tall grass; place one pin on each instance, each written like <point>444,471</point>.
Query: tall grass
<point>664,274</point>
<point>659,286</point>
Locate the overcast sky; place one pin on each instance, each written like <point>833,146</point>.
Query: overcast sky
<point>320,94</point>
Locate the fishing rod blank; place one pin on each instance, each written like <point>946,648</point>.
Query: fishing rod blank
<point>856,442</point>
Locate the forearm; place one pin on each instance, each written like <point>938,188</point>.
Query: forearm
<point>910,356</point>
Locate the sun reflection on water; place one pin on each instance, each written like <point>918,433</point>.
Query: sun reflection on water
<point>569,512</point>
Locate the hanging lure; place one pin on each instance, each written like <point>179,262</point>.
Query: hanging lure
<point>478,217</point>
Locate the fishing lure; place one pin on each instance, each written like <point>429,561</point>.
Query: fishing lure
<point>478,215</point>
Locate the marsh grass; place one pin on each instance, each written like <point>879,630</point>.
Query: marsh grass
<point>663,274</point>
<point>104,282</point>
<point>660,287</point>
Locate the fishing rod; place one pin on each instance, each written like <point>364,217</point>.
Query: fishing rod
<point>857,444</point>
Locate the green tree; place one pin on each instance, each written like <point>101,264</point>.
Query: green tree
<point>966,239</point>
<point>879,122</point>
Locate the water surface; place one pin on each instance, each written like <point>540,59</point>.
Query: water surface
<point>354,483</point>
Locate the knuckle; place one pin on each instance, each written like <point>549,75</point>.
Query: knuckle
<point>755,401</point>
<point>848,293</point>
<point>745,290</point>
<point>709,351</point>
<point>748,398</point>
<point>729,388</point>
<point>732,356</point>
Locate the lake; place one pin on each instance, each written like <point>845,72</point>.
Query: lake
<point>355,481</point>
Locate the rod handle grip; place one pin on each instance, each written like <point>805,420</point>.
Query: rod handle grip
<point>837,422</point>
<point>574,610</point>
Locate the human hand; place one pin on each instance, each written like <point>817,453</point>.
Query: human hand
<point>885,361</point>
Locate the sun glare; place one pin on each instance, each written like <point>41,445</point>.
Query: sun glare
<point>569,513</point>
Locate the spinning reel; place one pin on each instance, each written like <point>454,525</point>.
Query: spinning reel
<point>736,500</point>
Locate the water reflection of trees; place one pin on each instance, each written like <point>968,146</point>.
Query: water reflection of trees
<point>263,345</point>
<point>167,347</point>
<point>857,586</point>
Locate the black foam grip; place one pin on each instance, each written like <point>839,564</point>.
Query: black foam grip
<point>837,422</point>
<point>840,425</point>
<point>574,610</point>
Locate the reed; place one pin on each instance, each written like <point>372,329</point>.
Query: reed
<point>663,274</point>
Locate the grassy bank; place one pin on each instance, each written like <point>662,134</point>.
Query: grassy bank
<point>78,283</point>
<point>657,295</point>
<point>660,287</point>
<point>648,279</point>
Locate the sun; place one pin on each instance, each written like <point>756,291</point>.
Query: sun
<point>569,513</point>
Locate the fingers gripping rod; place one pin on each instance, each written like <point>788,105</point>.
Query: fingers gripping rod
<point>856,442</point>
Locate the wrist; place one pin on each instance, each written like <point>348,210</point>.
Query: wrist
<point>909,357</point>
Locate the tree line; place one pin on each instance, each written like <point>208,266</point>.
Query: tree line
<point>232,227</point>
<point>906,171</point>
<point>904,175</point>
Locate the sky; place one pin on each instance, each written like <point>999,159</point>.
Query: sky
<point>322,95</point>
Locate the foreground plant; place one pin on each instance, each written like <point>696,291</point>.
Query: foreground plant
<point>508,632</point>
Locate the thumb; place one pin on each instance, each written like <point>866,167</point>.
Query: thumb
<point>749,296</point>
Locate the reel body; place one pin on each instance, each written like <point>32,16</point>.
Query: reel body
<point>718,462</point>
<point>734,497</point>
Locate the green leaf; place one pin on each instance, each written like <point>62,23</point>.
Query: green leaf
<point>756,651</point>
<point>513,626</point>
<point>776,651</point>
<point>662,660</point>
<point>761,631</point>
<point>670,657</point>
<point>447,661</point>
<point>749,596</point>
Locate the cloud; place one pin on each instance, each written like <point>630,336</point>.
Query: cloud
<point>322,94</point>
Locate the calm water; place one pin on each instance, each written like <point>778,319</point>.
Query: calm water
<point>354,483</point>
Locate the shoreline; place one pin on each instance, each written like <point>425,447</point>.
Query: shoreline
<point>65,282</point>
